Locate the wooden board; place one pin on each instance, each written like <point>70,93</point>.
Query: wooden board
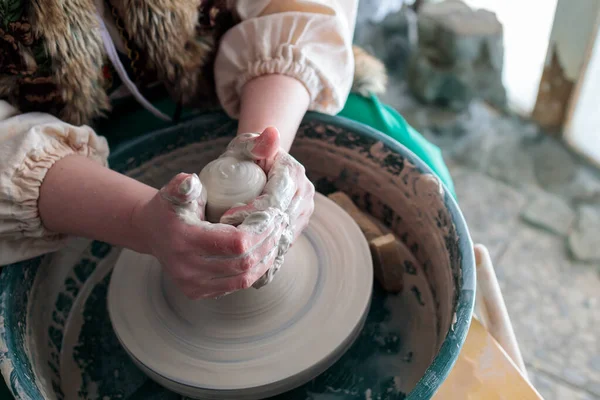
<point>484,371</point>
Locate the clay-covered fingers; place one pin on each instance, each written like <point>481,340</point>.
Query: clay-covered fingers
<point>214,253</point>
<point>243,254</point>
<point>245,280</point>
<point>223,241</point>
<point>182,189</point>
<point>300,213</point>
<point>248,246</point>
<point>186,196</point>
<point>260,148</point>
<point>303,201</point>
<point>252,269</point>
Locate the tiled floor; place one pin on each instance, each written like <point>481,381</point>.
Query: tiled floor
<point>501,165</point>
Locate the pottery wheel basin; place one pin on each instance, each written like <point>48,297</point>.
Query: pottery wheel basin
<point>56,338</point>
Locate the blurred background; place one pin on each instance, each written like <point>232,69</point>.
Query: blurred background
<point>510,91</point>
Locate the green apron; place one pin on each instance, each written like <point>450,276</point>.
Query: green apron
<point>370,111</point>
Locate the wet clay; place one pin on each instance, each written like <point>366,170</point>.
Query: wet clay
<point>230,181</point>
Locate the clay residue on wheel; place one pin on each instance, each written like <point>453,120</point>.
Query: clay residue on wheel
<point>411,203</point>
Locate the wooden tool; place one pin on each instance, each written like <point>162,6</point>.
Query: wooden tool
<point>368,227</point>
<point>386,249</point>
<point>491,309</point>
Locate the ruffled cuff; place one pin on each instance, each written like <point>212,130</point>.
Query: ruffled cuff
<point>313,48</point>
<point>33,153</point>
<point>289,61</point>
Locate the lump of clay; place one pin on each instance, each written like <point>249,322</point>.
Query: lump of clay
<point>229,182</point>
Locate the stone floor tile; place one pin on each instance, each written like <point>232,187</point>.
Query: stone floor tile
<point>550,212</point>
<point>585,238</point>
<point>545,385</point>
<point>551,388</point>
<point>491,208</point>
<point>554,164</point>
<point>552,302</point>
<point>510,161</point>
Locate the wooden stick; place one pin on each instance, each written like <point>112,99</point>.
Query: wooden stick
<point>492,309</point>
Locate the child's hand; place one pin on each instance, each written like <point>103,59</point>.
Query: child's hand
<point>288,191</point>
<point>205,260</point>
<point>248,246</point>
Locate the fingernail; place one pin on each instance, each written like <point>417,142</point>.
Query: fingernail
<point>188,185</point>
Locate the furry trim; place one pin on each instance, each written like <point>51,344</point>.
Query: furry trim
<point>72,40</point>
<point>370,75</point>
<point>166,31</point>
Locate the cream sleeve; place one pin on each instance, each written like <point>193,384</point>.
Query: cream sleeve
<point>29,145</point>
<point>310,40</point>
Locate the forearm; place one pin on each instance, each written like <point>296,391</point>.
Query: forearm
<point>79,197</point>
<point>273,100</point>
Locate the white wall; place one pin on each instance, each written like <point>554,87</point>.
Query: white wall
<point>583,128</point>
<point>527,25</point>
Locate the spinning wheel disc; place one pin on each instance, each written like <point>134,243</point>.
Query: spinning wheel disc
<point>253,343</point>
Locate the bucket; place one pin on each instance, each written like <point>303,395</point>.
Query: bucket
<point>57,342</point>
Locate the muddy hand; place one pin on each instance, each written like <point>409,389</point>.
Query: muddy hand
<point>288,192</point>
<point>205,260</point>
<point>186,196</point>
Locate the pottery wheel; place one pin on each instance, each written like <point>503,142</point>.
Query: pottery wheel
<point>253,343</point>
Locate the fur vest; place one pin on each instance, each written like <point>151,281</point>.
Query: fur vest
<point>52,57</point>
